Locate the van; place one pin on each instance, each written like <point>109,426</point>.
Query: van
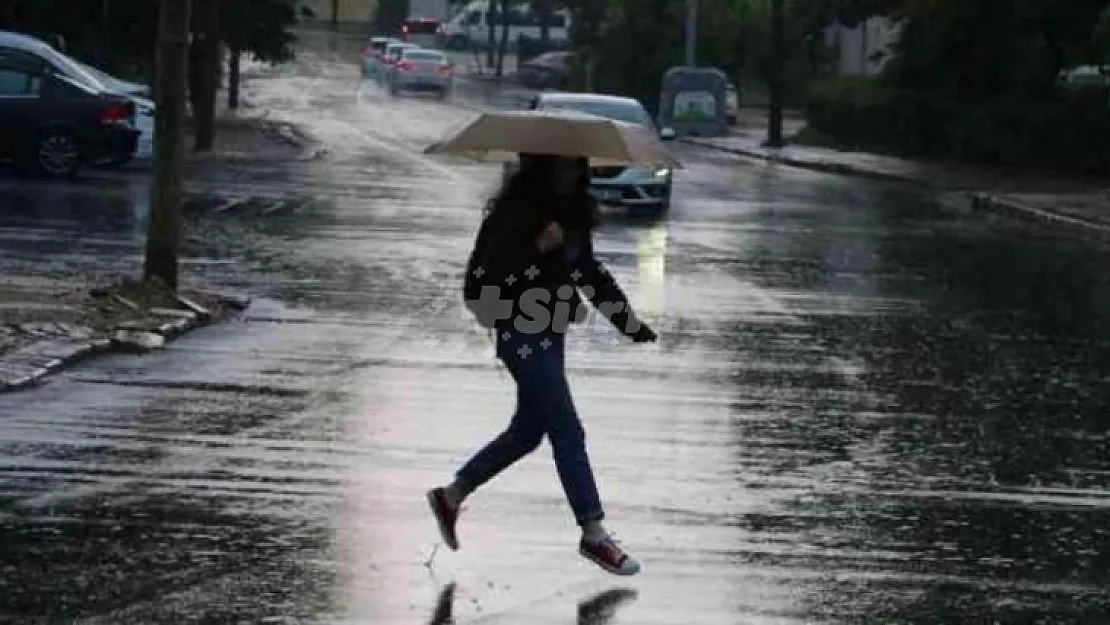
<point>469,28</point>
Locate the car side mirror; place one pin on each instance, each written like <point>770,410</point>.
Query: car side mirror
<point>667,134</point>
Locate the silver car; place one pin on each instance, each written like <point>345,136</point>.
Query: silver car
<point>634,187</point>
<point>389,58</point>
<point>373,53</point>
<point>419,69</point>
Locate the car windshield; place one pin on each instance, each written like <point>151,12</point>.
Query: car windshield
<point>380,45</point>
<point>424,55</point>
<point>619,111</point>
<point>397,50</point>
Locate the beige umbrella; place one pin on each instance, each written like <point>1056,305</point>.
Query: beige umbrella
<point>502,136</point>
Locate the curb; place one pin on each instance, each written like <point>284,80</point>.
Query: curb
<point>1012,208</point>
<point>821,166</point>
<point>28,366</point>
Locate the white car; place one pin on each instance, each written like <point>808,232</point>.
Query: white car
<point>75,70</point>
<point>637,188</point>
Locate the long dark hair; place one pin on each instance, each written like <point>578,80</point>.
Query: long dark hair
<point>530,190</point>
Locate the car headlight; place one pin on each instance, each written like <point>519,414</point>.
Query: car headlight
<point>662,172</point>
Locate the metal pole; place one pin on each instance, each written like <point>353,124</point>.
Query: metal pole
<point>691,32</point>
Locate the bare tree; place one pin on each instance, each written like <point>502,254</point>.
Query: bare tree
<point>778,68</point>
<point>207,15</point>
<point>503,44</point>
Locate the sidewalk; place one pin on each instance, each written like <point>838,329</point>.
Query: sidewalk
<point>62,298</point>
<point>1080,204</point>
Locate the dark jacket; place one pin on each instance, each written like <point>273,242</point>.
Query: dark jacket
<point>544,288</point>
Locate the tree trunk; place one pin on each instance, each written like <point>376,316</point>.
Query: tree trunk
<point>778,65</point>
<point>503,45</point>
<point>234,75</point>
<point>169,146</point>
<point>542,9</point>
<point>207,13</point>
<point>491,24</point>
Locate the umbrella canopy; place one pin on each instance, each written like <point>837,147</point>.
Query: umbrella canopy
<point>504,135</point>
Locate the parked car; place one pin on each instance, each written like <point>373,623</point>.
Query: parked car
<point>372,55</point>
<point>634,187</point>
<point>38,51</point>
<point>144,115</point>
<point>56,124</point>
<point>732,103</point>
<point>118,85</point>
<point>550,70</point>
<point>419,69</point>
<point>391,55</point>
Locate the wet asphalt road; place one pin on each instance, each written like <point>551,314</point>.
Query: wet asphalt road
<point>867,406</point>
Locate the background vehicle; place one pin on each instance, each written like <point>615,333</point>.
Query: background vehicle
<point>392,54</point>
<point>55,123</point>
<point>420,69</point>
<point>547,71</point>
<point>421,31</point>
<point>372,55</point>
<point>469,28</point>
<point>635,187</point>
<point>35,50</point>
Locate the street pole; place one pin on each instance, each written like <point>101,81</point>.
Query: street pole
<point>691,33</point>
<point>335,15</point>
<point>164,236</point>
<point>778,67</point>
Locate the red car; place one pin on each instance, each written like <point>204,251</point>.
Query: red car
<point>421,31</point>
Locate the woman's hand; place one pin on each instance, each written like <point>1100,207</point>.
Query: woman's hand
<point>550,237</point>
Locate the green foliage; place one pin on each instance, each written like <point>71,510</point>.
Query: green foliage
<point>260,27</point>
<point>978,80</point>
<point>120,34</point>
<point>980,49</point>
<point>1064,130</point>
<point>635,41</point>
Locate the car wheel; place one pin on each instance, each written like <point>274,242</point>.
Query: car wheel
<point>58,153</point>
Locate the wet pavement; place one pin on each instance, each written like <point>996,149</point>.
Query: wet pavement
<point>868,405</point>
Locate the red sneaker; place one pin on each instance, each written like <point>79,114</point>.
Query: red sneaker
<point>607,554</point>
<point>446,517</point>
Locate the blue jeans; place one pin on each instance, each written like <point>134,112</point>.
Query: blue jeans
<point>543,407</point>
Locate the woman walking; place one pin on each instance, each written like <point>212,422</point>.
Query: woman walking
<point>537,248</point>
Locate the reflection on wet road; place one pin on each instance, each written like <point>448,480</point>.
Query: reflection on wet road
<point>867,407</point>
